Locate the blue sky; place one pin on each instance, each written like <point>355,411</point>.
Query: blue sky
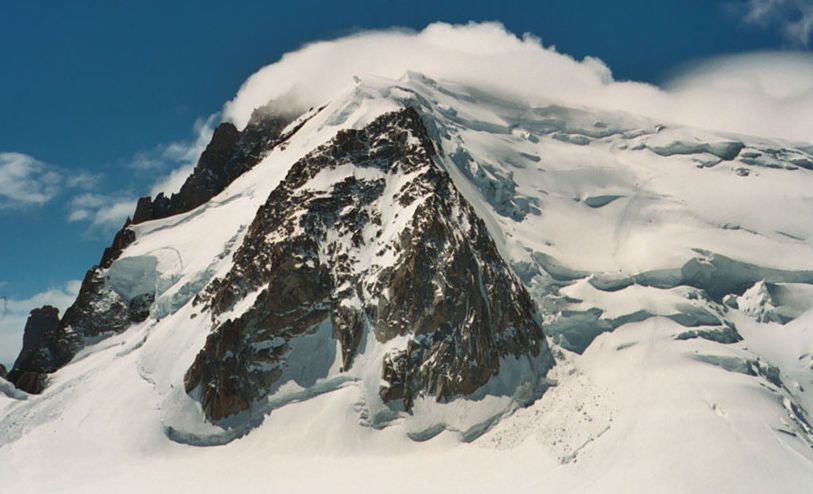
<point>101,100</point>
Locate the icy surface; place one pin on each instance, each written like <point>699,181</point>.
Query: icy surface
<point>133,276</point>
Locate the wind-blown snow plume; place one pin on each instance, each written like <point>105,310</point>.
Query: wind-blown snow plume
<point>492,58</point>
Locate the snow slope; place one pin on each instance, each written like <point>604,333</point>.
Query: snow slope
<point>653,253</point>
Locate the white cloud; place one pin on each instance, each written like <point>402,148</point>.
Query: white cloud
<point>114,214</point>
<point>172,163</point>
<point>767,94</point>
<point>183,156</point>
<point>78,215</point>
<point>102,211</point>
<point>173,181</point>
<point>489,57</point>
<point>107,212</point>
<point>82,180</point>
<point>202,129</point>
<point>147,160</point>
<point>793,17</point>
<point>25,181</point>
<point>482,54</point>
<point>14,313</point>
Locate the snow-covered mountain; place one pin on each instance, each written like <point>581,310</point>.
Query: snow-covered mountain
<point>424,286</point>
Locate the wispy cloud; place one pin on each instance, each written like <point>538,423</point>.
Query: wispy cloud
<point>793,17</point>
<point>14,313</point>
<point>168,166</point>
<point>101,211</point>
<point>174,162</point>
<point>82,180</point>
<point>25,181</point>
<point>173,181</point>
<point>147,160</point>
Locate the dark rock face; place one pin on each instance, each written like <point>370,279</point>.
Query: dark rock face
<point>455,294</point>
<point>30,382</point>
<point>124,237</point>
<point>3,371</point>
<point>41,323</point>
<point>97,309</point>
<point>207,179</point>
<point>339,253</point>
<point>49,343</point>
<point>229,154</point>
<point>37,355</point>
<point>138,310</point>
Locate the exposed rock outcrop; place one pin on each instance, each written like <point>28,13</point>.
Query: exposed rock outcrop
<point>98,309</point>
<point>37,355</point>
<point>124,237</point>
<point>369,235</point>
<point>49,343</point>
<point>229,154</point>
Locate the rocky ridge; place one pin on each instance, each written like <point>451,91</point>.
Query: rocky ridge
<point>369,234</point>
<point>230,153</point>
<point>51,343</point>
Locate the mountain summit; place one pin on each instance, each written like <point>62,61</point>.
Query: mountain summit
<point>422,274</point>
